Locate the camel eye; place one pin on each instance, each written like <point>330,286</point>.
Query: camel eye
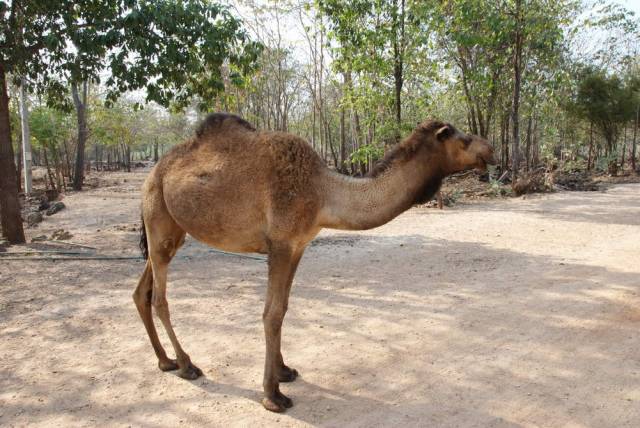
<point>466,141</point>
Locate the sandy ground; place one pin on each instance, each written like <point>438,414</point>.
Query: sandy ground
<point>521,312</point>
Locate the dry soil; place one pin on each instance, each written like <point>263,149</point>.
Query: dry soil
<point>508,313</point>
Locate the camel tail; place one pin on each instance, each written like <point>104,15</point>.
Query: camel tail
<point>144,246</point>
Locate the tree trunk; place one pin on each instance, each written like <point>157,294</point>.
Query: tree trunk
<point>81,111</point>
<point>9,202</point>
<point>504,143</point>
<point>67,159</point>
<point>398,63</point>
<point>127,151</point>
<point>528,144</point>
<point>624,148</point>
<point>343,139</point>
<point>155,150</point>
<point>52,183</point>
<point>18,162</point>
<point>26,142</point>
<point>517,74</point>
<point>535,161</point>
<point>590,156</point>
<point>62,185</point>
<point>633,145</point>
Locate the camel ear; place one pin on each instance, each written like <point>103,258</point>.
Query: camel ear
<point>444,133</point>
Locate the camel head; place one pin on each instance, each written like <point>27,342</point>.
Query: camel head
<point>462,151</point>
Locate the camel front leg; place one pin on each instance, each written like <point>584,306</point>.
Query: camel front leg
<point>286,373</point>
<point>282,266</point>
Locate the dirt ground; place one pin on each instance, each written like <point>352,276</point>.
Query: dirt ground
<point>507,313</point>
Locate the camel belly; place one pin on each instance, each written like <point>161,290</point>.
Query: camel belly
<point>216,210</point>
<point>233,242</point>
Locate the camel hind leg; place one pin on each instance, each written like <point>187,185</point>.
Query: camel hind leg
<point>164,238</point>
<point>142,299</point>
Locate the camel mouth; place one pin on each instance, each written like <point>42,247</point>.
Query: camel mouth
<point>484,161</point>
<point>481,166</point>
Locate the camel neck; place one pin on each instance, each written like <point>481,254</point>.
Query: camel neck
<point>364,203</point>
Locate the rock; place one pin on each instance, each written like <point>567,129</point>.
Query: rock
<point>39,238</point>
<point>43,205</point>
<point>34,218</point>
<point>55,207</point>
<point>61,235</point>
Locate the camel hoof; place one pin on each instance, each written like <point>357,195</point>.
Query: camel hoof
<point>288,374</point>
<point>278,403</point>
<point>190,372</point>
<point>168,365</point>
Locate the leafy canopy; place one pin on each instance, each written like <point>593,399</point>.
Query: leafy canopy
<point>174,49</point>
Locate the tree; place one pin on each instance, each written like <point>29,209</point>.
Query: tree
<point>172,49</point>
<point>474,34</point>
<point>49,129</point>
<point>606,102</point>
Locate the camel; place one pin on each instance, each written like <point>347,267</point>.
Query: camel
<point>243,190</point>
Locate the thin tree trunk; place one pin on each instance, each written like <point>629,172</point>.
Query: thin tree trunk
<point>398,65</point>
<point>343,140</point>
<point>517,75</point>
<point>18,162</point>
<point>26,142</point>
<point>11,218</point>
<point>58,167</point>
<point>635,134</point>
<point>357,137</point>
<point>128,157</point>
<point>624,148</point>
<point>81,109</point>
<point>536,147</point>
<point>52,183</point>
<point>528,144</point>
<point>155,150</point>
<point>590,156</point>
<point>67,159</point>
<point>504,143</point>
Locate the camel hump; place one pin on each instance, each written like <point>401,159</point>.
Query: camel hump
<point>216,121</point>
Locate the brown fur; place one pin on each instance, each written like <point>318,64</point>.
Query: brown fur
<point>214,121</point>
<point>243,190</point>
<point>424,134</point>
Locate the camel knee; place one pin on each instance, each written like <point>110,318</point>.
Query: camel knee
<point>161,305</point>
<point>163,251</point>
<point>141,297</point>
<point>272,319</point>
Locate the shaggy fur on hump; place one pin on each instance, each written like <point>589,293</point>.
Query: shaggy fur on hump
<point>215,120</point>
<point>407,149</point>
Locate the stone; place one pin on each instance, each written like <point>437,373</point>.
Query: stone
<point>55,207</point>
<point>61,235</point>
<point>39,238</point>
<point>34,218</point>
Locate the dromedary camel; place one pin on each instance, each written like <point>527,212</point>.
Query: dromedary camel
<point>243,190</point>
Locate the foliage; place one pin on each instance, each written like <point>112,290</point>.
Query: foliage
<point>49,127</point>
<point>173,49</point>
<point>367,153</point>
<point>606,101</point>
